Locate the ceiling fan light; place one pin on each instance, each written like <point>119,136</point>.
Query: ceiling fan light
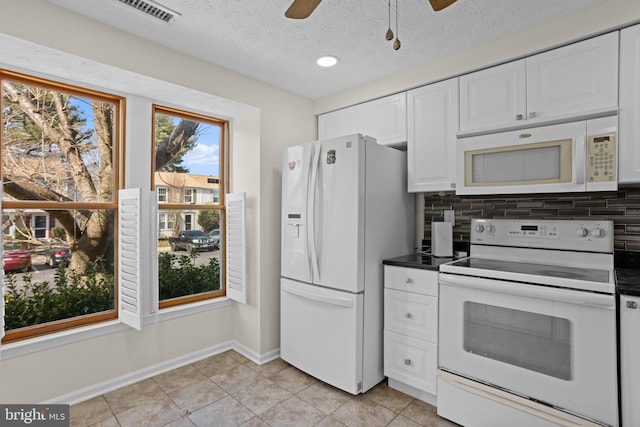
<point>327,61</point>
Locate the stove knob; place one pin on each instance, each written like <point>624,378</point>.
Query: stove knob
<point>582,232</point>
<point>491,228</point>
<point>479,228</point>
<point>598,232</point>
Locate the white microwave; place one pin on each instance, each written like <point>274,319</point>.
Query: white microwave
<point>568,157</point>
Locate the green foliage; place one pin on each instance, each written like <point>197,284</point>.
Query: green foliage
<point>179,276</point>
<point>23,234</point>
<point>29,303</point>
<point>209,219</point>
<point>71,295</point>
<point>59,233</point>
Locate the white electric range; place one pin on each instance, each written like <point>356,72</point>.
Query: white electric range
<point>528,326</point>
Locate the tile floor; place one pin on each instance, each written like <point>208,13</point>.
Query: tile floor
<point>230,390</point>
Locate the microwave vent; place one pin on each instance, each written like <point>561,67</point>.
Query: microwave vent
<point>152,8</point>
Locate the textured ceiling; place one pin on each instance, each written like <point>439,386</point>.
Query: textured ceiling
<point>254,38</point>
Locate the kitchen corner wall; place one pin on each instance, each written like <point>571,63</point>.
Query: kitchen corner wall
<point>622,207</point>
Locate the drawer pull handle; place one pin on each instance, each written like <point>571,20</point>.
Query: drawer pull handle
<point>407,362</point>
<point>407,315</point>
<point>632,304</point>
<point>408,280</point>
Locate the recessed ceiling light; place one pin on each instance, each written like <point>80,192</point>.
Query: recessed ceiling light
<point>327,61</point>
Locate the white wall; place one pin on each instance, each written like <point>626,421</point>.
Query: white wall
<point>602,17</point>
<point>57,43</point>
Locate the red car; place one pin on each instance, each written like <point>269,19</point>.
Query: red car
<point>15,257</point>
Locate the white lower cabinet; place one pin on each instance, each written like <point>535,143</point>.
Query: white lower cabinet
<point>629,359</point>
<point>411,331</point>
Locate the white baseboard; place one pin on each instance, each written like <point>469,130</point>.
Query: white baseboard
<point>103,387</point>
<point>258,359</point>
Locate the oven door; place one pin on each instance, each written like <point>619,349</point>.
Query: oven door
<point>553,345</point>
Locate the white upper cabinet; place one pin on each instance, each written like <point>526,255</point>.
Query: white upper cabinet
<point>581,78</point>
<point>574,81</point>
<point>385,119</point>
<point>629,112</point>
<point>338,123</point>
<point>493,97</point>
<point>431,144</point>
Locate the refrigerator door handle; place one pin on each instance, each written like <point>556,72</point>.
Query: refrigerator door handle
<point>343,302</point>
<point>311,208</point>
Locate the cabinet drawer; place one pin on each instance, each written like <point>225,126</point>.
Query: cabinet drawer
<point>411,314</point>
<point>411,361</point>
<point>411,280</point>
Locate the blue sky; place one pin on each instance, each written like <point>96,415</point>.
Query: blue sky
<point>204,159</point>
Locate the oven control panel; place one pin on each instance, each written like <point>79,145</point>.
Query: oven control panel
<point>594,236</point>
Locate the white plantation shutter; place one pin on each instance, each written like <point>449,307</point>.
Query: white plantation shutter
<point>129,304</point>
<point>236,271</point>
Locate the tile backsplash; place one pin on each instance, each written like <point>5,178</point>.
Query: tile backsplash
<point>622,207</point>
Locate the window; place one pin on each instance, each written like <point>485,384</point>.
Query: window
<point>188,221</point>
<point>40,226</point>
<point>165,225</point>
<point>162,194</point>
<point>189,195</point>
<point>60,167</point>
<point>189,164</point>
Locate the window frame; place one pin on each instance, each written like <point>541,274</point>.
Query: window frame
<point>189,194</point>
<point>165,194</point>
<point>223,188</point>
<point>119,103</point>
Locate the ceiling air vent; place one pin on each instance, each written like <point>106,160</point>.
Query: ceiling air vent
<point>152,8</point>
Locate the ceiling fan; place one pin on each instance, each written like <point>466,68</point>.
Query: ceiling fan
<point>301,9</point>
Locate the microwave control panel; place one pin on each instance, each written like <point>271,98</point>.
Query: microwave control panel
<point>602,158</point>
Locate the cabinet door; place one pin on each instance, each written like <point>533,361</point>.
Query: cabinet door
<point>414,280</point>
<point>385,119</point>
<point>494,97</point>
<point>411,361</point>
<point>629,359</point>
<point>338,123</point>
<point>411,314</point>
<point>574,80</point>
<point>629,112</point>
<point>431,144</point>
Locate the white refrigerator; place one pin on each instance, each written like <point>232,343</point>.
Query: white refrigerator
<point>345,207</point>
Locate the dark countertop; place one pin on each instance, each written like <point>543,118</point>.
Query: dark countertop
<point>627,266</point>
<point>628,281</point>
<point>425,262</point>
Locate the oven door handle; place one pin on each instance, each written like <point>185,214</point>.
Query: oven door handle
<point>529,291</point>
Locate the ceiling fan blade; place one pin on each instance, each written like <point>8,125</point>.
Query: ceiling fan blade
<point>301,9</point>
<point>441,4</point>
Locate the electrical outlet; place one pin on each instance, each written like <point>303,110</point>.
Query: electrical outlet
<point>450,216</point>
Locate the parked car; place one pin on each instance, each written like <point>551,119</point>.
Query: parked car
<point>57,255</point>
<point>215,236</point>
<point>191,239</point>
<point>15,258</point>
